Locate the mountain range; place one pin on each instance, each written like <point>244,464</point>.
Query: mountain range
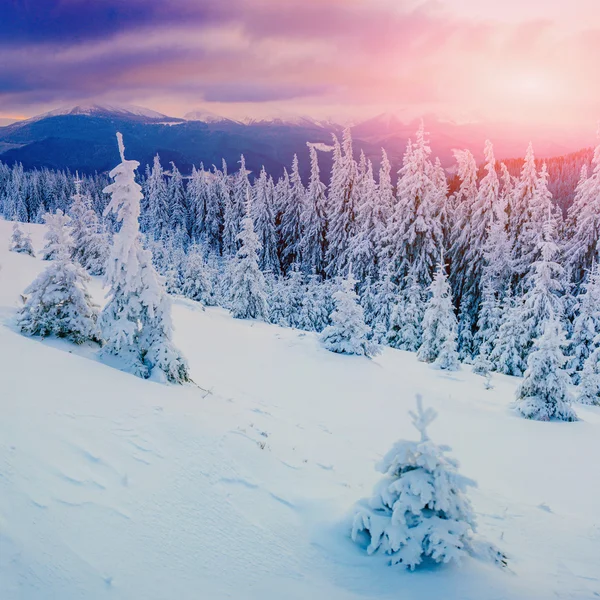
<point>83,138</point>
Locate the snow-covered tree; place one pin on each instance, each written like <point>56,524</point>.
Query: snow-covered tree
<point>583,243</point>
<point>90,243</point>
<point>136,321</point>
<point>406,319</point>
<point>196,283</point>
<point>314,222</point>
<point>263,209</point>
<point>463,203</point>
<point>247,286</point>
<point>419,510</point>
<point>20,242</point>
<point>543,393</point>
<point>543,301</point>
<point>291,219</point>
<point>57,235</point>
<point>415,232</point>
<point>342,204</point>
<point>588,390</point>
<point>439,325</point>
<point>156,218</point>
<point>507,355</point>
<point>58,302</point>
<point>586,326</point>
<point>364,244</point>
<point>348,333</point>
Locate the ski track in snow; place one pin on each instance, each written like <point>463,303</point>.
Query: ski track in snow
<point>115,487</point>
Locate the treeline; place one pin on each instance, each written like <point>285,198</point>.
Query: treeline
<point>515,259</point>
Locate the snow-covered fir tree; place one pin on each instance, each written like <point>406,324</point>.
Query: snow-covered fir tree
<point>415,233</point>
<point>342,203</point>
<point>588,390</point>
<point>57,235</point>
<point>347,332</point>
<point>58,302</point>
<point>291,219</point>
<point>263,209</point>
<point>314,223</point>
<point>156,218</point>
<point>406,318</point>
<point>508,352</point>
<point>136,320</point>
<point>420,509</point>
<point>89,242</point>
<point>196,284</point>
<point>586,326</point>
<point>543,301</point>
<point>247,285</point>
<point>439,325</point>
<point>20,242</point>
<point>543,394</point>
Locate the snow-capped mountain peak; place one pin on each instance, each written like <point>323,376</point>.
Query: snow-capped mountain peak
<point>105,109</point>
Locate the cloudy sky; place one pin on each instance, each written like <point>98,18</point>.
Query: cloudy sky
<point>516,61</point>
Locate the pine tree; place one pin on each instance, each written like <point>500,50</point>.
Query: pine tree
<point>156,220</point>
<point>419,509</point>
<point>248,287</point>
<point>291,219</point>
<point>406,319</point>
<point>20,242</point>
<point>520,211</point>
<point>586,326</point>
<point>415,233</point>
<point>58,302</point>
<point>364,245</point>
<point>462,235</point>
<point>348,333</point>
<point>508,352</point>
<point>196,283</point>
<point>57,235</point>
<point>90,244</point>
<point>136,321</point>
<point>543,393</point>
<point>588,391</point>
<point>314,223</point>
<point>263,209</point>
<point>439,325</point>
<point>177,203</point>
<point>342,203</point>
<point>583,242</point>
<point>488,325</point>
<point>543,301</point>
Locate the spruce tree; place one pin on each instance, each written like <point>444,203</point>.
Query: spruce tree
<point>89,242</point>
<point>588,390</point>
<point>57,235</point>
<point>543,393</point>
<point>313,243</point>
<point>263,209</point>
<point>20,242</point>
<point>586,326</point>
<point>248,287</point>
<point>58,302</point>
<point>136,320</point>
<point>348,333</point>
<point>439,325</point>
<point>419,510</point>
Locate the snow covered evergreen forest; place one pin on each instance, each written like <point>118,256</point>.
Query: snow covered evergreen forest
<point>514,257</point>
<point>347,300</point>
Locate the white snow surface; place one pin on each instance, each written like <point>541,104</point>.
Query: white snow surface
<point>116,487</point>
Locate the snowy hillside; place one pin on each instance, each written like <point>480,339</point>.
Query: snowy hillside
<point>243,487</point>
